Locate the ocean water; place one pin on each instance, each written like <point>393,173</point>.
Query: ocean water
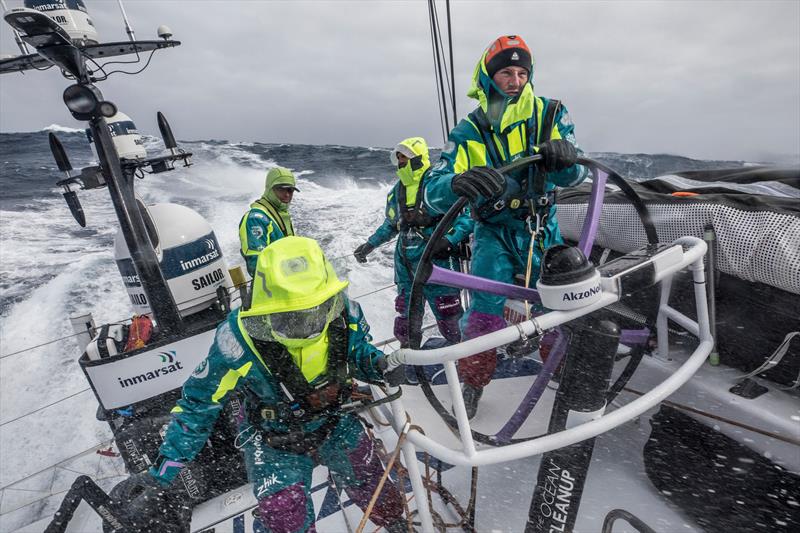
<point>51,268</point>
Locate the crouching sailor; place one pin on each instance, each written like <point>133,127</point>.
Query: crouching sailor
<point>292,354</point>
<point>408,218</point>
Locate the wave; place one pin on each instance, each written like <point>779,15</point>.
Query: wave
<point>57,128</point>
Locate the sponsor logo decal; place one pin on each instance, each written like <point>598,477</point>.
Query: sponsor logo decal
<point>198,261</point>
<point>233,499</point>
<point>207,280</point>
<point>258,452</point>
<point>190,483</point>
<point>557,497</point>
<point>170,365</point>
<point>202,369</point>
<point>575,296</point>
<point>266,484</point>
<point>108,517</point>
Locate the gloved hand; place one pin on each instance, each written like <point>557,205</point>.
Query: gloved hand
<point>443,248</point>
<point>479,181</point>
<point>142,489</point>
<point>558,154</point>
<point>144,499</point>
<point>362,252</point>
<point>394,373</point>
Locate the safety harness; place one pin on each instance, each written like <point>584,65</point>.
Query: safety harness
<point>275,216</point>
<point>539,201</point>
<point>304,402</point>
<point>413,216</point>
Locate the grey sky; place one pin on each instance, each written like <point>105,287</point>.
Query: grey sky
<point>702,79</point>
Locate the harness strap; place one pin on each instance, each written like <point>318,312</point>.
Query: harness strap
<point>417,213</point>
<point>485,129</point>
<point>293,384</point>
<point>276,217</point>
<point>548,121</point>
<point>541,202</point>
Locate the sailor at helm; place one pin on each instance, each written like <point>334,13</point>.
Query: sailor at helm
<point>409,219</point>
<point>516,217</point>
<point>292,354</point>
<point>268,218</point>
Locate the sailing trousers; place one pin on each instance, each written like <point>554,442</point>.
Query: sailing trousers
<point>282,480</point>
<point>500,253</point>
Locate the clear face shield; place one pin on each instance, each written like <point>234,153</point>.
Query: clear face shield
<point>299,325</point>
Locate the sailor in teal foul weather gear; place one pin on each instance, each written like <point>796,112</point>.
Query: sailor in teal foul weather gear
<point>292,354</point>
<point>268,218</point>
<point>512,213</point>
<point>408,218</point>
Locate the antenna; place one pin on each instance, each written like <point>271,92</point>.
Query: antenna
<point>128,28</point>
<point>22,46</point>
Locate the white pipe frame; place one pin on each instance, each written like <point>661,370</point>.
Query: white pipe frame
<point>694,250</point>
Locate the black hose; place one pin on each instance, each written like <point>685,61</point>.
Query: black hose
<point>621,514</point>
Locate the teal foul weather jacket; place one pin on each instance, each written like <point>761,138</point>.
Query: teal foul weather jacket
<point>412,239</point>
<point>259,227</point>
<point>502,130</point>
<point>234,363</point>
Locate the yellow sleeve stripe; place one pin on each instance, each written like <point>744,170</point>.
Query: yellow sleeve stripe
<point>229,380</point>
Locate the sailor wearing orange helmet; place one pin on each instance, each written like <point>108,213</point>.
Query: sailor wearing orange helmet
<point>516,215</point>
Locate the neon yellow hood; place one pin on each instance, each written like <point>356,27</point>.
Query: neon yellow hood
<point>513,109</point>
<point>410,177</point>
<point>292,274</point>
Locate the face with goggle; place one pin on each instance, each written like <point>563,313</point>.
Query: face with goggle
<point>402,161</point>
<point>300,325</point>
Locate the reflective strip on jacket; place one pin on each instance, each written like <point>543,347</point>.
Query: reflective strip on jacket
<point>257,229</point>
<point>466,147</point>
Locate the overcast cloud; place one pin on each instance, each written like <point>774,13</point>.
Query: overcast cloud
<point>712,80</point>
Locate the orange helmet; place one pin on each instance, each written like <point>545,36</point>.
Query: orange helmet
<point>506,51</point>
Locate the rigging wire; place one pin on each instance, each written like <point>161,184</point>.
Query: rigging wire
<point>45,407</point>
<point>452,67</point>
<point>231,292</point>
<point>442,117</point>
<point>444,73</point>
<point>444,76</point>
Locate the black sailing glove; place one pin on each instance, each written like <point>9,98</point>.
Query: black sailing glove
<point>443,248</point>
<point>479,181</point>
<point>558,154</point>
<point>362,252</point>
<point>394,372</point>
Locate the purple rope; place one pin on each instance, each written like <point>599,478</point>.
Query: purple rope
<point>459,280</point>
<point>535,392</point>
<point>628,337</point>
<point>592,220</point>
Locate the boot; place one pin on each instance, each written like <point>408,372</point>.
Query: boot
<point>472,396</point>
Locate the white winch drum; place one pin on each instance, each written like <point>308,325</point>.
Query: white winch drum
<point>189,256</point>
<point>127,141</point>
<point>572,295</point>
<point>70,15</point>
